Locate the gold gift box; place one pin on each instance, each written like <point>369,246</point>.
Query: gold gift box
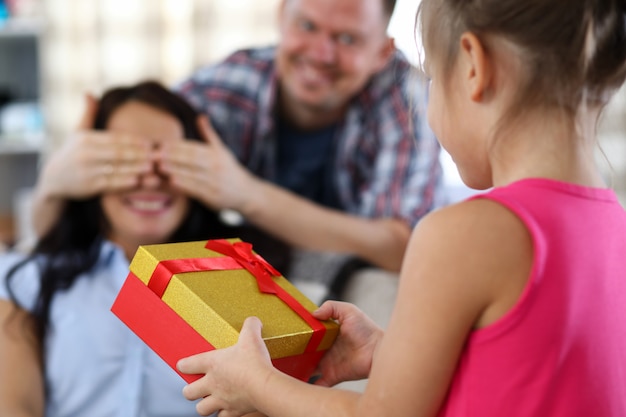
<point>213,293</point>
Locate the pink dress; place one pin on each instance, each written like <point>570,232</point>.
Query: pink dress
<point>561,350</point>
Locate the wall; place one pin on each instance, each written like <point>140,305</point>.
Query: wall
<point>89,45</point>
<point>612,144</point>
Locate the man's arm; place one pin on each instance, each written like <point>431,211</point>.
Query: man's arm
<point>210,173</point>
<point>307,225</point>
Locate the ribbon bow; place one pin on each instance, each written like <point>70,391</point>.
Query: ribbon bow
<point>242,253</point>
<point>237,255</point>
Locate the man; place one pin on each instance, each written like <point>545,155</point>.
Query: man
<point>320,142</point>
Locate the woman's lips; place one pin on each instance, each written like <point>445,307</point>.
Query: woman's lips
<point>148,205</point>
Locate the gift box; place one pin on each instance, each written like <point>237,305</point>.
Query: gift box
<point>191,297</point>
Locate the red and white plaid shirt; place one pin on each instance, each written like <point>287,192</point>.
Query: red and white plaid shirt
<point>386,159</point>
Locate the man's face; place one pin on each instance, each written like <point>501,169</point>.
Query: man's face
<point>329,49</point>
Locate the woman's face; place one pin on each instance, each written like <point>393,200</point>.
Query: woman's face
<point>150,212</point>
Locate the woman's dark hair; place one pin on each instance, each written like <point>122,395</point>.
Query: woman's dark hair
<point>72,246</point>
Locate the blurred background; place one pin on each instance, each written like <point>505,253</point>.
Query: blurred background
<point>52,52</point>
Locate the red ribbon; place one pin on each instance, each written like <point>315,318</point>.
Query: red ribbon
<point>257,266</point>
<point>238,255</point>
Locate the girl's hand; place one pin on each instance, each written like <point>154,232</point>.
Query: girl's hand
<point>228,373</point>
<point>350,357</point>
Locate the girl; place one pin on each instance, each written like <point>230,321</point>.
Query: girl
<point>510,303</point>
<point>62,352</point>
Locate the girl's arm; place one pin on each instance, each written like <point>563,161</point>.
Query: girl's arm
<point>21,384</point>
<point>465,267</point>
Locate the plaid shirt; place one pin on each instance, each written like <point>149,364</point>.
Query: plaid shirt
<point>386,159</point>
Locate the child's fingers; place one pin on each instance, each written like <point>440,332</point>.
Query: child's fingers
<point>251,330</point>
<point>192,365</point>
<point>331,310</point>
<point>208,406</point>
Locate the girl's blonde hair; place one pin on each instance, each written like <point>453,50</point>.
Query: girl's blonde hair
<point>572,52</point>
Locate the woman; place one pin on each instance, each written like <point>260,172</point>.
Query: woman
<point>62,352</point>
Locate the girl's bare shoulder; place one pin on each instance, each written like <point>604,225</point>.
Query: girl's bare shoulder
<point>472,226</point>
<point>476,250</point>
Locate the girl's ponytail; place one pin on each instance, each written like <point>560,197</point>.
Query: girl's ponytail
<point>605,46</point>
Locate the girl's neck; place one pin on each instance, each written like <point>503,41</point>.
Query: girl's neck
<point>547,147</point>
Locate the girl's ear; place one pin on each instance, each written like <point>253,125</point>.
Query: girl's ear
<point>476,66</point>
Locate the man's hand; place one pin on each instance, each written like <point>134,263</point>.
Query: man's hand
<point>89,163</point>
<point>207,171</point>
<point>350,357</point>
<point>92,162</point>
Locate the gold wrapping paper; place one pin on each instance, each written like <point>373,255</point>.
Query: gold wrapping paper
<point>216,303</point>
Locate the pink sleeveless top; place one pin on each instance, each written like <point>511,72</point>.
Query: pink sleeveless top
<point>561,350</point>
